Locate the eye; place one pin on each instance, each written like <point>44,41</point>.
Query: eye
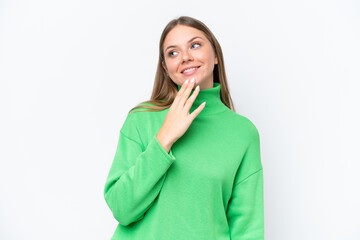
<point>171,53</point>
<point>196,44</point>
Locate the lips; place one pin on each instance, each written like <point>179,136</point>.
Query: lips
<point>190,69</point>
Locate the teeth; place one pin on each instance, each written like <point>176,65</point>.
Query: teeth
<point>190,69</point>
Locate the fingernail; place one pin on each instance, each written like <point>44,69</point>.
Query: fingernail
<point>186,82</point>
<point>197,87</point>
<point>192,80</point>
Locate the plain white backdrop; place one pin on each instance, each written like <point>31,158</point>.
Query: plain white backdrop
<point>71,70</point>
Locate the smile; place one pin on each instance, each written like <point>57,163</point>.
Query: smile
<point>190,71</point>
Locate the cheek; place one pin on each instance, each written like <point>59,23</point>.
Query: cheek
<point>206,56</point>
<point>172,66</point>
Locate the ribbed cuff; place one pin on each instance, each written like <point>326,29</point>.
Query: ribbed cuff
<point>169,156</point>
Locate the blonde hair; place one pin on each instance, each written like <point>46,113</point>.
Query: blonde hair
<point>165,90</point>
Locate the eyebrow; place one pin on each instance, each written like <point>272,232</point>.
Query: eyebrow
<point>175,45</point>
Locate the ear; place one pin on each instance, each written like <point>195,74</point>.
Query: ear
<point>216,60</point>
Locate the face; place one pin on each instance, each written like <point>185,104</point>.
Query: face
<point>189,54</point>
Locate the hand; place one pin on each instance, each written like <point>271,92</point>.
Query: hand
<point>178,119</point>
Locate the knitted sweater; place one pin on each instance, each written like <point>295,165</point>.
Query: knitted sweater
<point>209,186</point>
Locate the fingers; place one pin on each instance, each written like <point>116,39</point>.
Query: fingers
<point>180,93</point>
<point>191,99</point>
<point>184,95</point>
<point>196,112</point>
<point>184,86</point>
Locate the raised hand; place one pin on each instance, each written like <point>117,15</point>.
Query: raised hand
<point>178,119</point>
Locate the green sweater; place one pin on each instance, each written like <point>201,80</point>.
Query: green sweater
<point>209,186</point>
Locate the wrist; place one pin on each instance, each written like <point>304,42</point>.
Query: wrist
<point>164,142</point>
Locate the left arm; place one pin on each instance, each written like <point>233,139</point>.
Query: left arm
<point>245,211</point>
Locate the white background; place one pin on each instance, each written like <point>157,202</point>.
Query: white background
<point>71,70</point>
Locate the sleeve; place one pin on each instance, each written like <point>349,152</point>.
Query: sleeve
<point>245,211</point>
<point>136,175</point>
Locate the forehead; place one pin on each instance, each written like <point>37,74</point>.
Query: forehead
<point>182,34</point>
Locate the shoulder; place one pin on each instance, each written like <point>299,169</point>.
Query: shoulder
<point>142,116</point>
<point>130,126</point>
<point>146,110</point>
<point>141,106</point>
<point>140,122</point>
<point>246,125</point>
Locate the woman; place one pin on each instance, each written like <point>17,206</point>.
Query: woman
<point>187,166</point>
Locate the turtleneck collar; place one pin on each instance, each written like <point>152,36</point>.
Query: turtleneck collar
<point>213,101</point>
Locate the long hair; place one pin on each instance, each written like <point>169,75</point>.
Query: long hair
<point>165,90</point>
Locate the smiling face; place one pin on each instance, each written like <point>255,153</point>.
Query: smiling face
<point>188,53</point>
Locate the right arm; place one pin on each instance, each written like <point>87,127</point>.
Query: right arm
<point>135,178</point>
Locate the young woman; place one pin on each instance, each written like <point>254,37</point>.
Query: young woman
<point>187,166</point>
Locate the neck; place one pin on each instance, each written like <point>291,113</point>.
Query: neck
<point>212,98</point>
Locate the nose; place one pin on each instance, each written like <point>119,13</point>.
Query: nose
<point>186,56</point>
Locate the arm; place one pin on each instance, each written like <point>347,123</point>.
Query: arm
<point>135,178</point>
<point>245,211</point>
